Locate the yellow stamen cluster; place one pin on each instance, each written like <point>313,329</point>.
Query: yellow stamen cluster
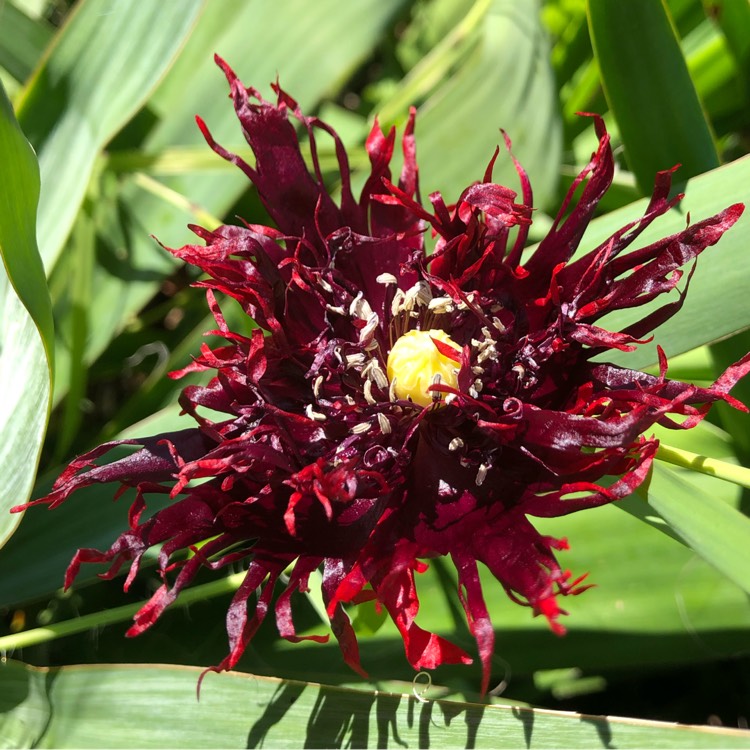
<point>415,363</point>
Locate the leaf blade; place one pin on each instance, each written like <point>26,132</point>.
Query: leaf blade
<point>79,98</point>
<point>649,90</point>
<point>26,329</point>
<point>511,55</point>
<point>310,71</point>
<point>710,527</point>
<point>126,706</point>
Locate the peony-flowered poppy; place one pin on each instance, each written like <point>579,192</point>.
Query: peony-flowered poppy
<point>393,405</point>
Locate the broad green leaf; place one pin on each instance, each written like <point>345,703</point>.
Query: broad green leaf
<point>32,8</point>
<point>506,51</point>
<point>26,331</point>
<point>81,248</point>
<point>310,67</point>
<point>22,41</point>
<point>716,531</point>
<point>715,74</point>
<point>430,23</point>
<point>699,510</point>
<point>706,439</point>
<point>101,69</point>
<point>649,90</point>
<point>733,17</point>
<point>713,69</point>
<point>572,47</point>
<point>156,706</point>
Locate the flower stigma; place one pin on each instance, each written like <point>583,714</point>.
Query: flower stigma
<point>415,363</point>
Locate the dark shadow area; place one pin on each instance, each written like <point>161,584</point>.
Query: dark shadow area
<point>603,729</point>
<point>711,693</point>
<point>425,718</point>
<point>526,717</point>
<point>387,720</point>
<point>472,715</point>
<point>25,708</point>
<point>285,698</point>
<point>42,106</point>
<point>336,718</point>
<point>340,719</point>
<point>16,687</point>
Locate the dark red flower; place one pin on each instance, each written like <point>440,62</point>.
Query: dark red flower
<point>394,406</point>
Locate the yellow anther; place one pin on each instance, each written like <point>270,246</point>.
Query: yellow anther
<point>416,364</point>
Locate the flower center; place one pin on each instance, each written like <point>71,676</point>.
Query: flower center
<point>415,363</point>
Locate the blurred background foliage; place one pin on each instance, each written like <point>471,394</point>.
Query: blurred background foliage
<point>106,92</point>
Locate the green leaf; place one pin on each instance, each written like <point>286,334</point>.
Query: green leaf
<point>733,17</point>
<point>138,706</point>
<point>504,49</point>
<point>715,73</point>
<point>311,67</point>
<point>22,41</point>
<point>81,250</point>
<point>705,439</point>
<point>26,331</point>
<point>101,69</point>
<point>32,8</point>
<point>649,90</point>
<point>715,530</point>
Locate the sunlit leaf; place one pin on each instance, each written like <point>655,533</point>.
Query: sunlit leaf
<point>25,322</point>
<point>121,706</point>
<point>79,98</point>
<point>22,41</point>
<point>649,90</point>
<point>715,530</point>
<point>733,17</point>
<point>506,51</point>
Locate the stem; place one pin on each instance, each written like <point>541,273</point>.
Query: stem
<point>705,465</point>
<point>160,190</point>
<point>225,585</point>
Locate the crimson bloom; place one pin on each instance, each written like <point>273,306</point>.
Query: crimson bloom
<point>393,405</point>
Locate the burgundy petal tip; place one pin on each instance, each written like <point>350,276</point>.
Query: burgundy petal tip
<point>225,67</point>
<point>736,210</point>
